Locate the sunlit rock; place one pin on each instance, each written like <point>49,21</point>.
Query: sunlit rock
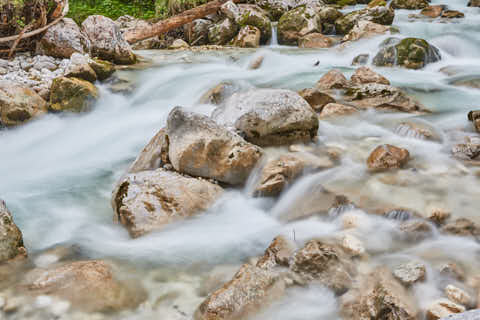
<point>434,11</point>
<point>452,14</point>
<point>365,29</point>
<point>410,273</point>
<point>409,4</point>
<point>278,253</point>
<point>316,98</point>
<point>316,41</point>
<point>443,308</point>
<point>380,14</point>
<point>337,109</point>
<point>72,94</point>
<point>11,240</point>
<point>333,79</point>
<point>364,75</point>
<point>387,157</point>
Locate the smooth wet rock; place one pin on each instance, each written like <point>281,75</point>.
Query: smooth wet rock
<point>89,285</point>
<point>106,40</point>
<point>316,41</point>
<point>251,289</point>
<point>148,200</point>
<point>11,239</point>
<point>443,308</point>
<point>269,116</point>
<point>63,39</point>
<point>333,79</point>
<point>361,59</point>
<point>72,94</point>
<point>337,109</point>
<point>222,32</point>
<point>200,147</point>
<point>154,155</point>
<point>278,253</point>
<point>103,69</point>
<point>387,157</point>
<point>409,4</point>
<point>19,104</point>
<point>297,23</point>
<point>411,53</point>
<point>452,14</point>
<point>80,68</point>
<point>458,295</point>
<point>278,173</point>
<point>434,11</point>
<point>253,15</point>
<point>410,273</point>
<point>364,75</point>
<point>365,29</point>
<point>462,227</point>
<point>316,98</point>
<point>247,37</point>
<point>380,14</point>
<point>418,130</point>
<point>325,264</point>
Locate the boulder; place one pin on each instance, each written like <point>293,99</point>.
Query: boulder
<point>326,18</point>
<point>251,289</point>
<point>410,273</point>
<point>364,75</point>
<point>247,37</point>
<point>80,68</point>
<point>462,227</point>
<point>458,295</point>
<point>382,97</point>
<point>197,31</point>
<point>200,147</point>
<point>282,171</point>
<point>63,39</point>
<point>222,32</point>
<point>315,41</point>
<point>103,69</point>
<point>297,23</point>
<point>443,308</point>
<point>409,4</point>
<point>365,29</point>
<point>376,3</point>
<point>11,239</point>
<point>325,264</point>
<point>106,40</point>
<point>72,94</point>
<point>253,15</point>
<point>333,79</point>
<point>434,11</point>
<point>154,155</point>
<point>387,157</point>
<point>274,8</point>
<point>146,201</point>
<point>278,253</point>
<point>381,15</point>
<point>452,14</point>
<point>269,116</point>
<point>88,285</point>
<point>19,104</point>
<point>411,53</point>
<point>316,98</point>
<point>337,109</point>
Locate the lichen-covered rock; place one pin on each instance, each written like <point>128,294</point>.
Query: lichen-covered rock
<point>200,147</point>
<point>63,39</point>
<point>251,289</point>
<point>297,23</point>
<point>253,15</point>
<point>365,29</point>
<point>11,240</point>
<point>196,32</point>
<point>336,109</point>
<point>87,285</point>
<point>316,98</point>
<point>381,15</point>
<point>411,53</point>
<point>72,94</point>
<point>19,104</point>
<point>364,75</point>
<point>269,116</point>
<point>443,308</point>
<point>387,157</point>
<point>222,32</point>
<point>146,201</point>
<point>316,40</point>
<point>410,273</point>
<point>107,42</point>
<point>247,37</point>
<point>333,79</point>
<point>103,69</point>
<point>409,4</point>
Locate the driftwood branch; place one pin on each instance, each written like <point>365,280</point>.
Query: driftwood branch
<point>141,33</point>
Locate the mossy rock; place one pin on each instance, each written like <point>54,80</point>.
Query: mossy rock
<point>342,3</point>
<point>103,69</point>
<point>274,8</point>
<point>380,15</point>
<point>297,23</point>
<point>377,3</point>
<point>409,4</point>
<point>252,15</point>
<point>411,53</point>
<point>72,94</point>
<point>221,33</point>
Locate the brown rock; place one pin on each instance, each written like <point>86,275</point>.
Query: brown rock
<point>365,29</point>
<point>366,75</point>
<point>333,79</point>
<point>200,147</point>
<point>72,94</point>
<point>11,240</point>
<point>387,157</point>
<point>433,11</point>
<point>452,14</point>
<point>247,37</point>
<point>316,98</point>
<point>458,295</point>
<point>336,109</point>
<point>316,40</point>
<point>462,227</point>
<point>251,289</point>
<point>88,285</point>
<point>443,308</point>
<point>148,200</point>
<point>154,155</point>
<point>256,63</point>
<point>409,273</point>
<point>352,245</point>
<point>278,253</point>
<point>415,230</point>
<point>419,130</point>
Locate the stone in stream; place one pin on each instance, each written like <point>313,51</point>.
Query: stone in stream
<point>409,4</point>
<point>63,39</point>
<point>361,59</point>
<point>443,308</point>
<point>274,8</point>
<point>474,116</point>
<point>80,68</point>
<point>269,117</point>
<point>221,33</point>
<point>462,227</point>
<point>316,98</point>
<point>247,37</point>
<point>410,273</point>
<point>333,79</point>
<point>364,75</point>
<point>411,53</point>
<point>88,285</point>
<point>336,109</point>
<point>468,150</point>
<point>106,40</point>
<point>386,157</point>
<point>297,23</point>
<point>365,29</point>
<point>473,3</point>
<point>434,11</point>
<point>316,40</point>
<point>468,315</point>
<point>458,295</point>
<point>200,147</point>
<point>11,239</point>
<point>452,14</point>
<point>146,201</point>
<point>467,81</point>
<point>381,15</point>
<point>19,104</point>
<point>154,155</point>
<point>103,69</point>
<point>253,15</point>
<point>278,253</point>
<point>72,94</point>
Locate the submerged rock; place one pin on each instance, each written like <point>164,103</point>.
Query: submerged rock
<point>269,116</point>
<point>200,147</point>
<point>148,200</point>
<point>411,53</point>
<point>380,15</point>
<point>154,155</point>
<point>72,94</point>
<point>434,11</point>
<point>297,23</point>
<point>387,157</point>
<point>462,227</point>
<point>11,239</point>
<point>443,308</point>
<point>19,104</point>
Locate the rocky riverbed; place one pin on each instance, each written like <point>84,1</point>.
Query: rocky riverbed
<point>282,160</point>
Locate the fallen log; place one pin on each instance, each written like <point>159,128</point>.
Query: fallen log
<point>161,27</point>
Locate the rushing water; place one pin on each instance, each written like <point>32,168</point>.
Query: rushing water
<point>57,173</point>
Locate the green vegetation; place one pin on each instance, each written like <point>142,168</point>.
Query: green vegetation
<point>144,9</point>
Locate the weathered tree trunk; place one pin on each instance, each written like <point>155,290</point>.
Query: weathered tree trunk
<point>142,33</point>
